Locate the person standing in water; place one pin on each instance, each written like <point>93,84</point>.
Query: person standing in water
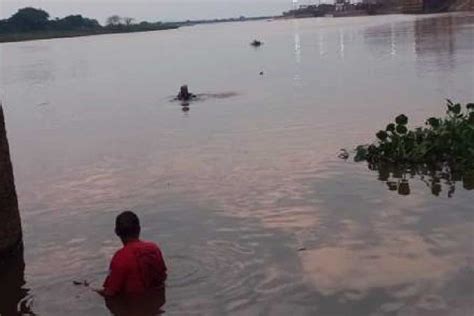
<point>136,268</point>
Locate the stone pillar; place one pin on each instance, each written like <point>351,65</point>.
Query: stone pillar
<point>10,223</point>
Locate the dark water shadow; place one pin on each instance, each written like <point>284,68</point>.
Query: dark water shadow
<point>144,305</point>
<point>438,179</point>
<point>200,97</point>
<point>186,104</point>
<point>13,294</point>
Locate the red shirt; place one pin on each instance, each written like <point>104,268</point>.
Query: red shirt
<point>136,268</point>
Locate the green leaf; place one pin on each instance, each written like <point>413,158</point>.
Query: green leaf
<point>401,119</point>
<point>361,153</point>
<point>457,108</point>
<point>433,122</point>
<point>454,109</point>
<point>382,135</point>
<point>402,129</point>
<point>390,127</point>
<point>471,118</point>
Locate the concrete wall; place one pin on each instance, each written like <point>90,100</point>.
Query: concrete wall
<point>10,224</point>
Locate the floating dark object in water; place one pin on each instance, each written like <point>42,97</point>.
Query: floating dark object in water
<point>222,95</point>
<point>79,283</point>
<point>203,97</point>
<point>184,94</point>
<point>261,73</point>
<point>302,249</point>
<point>256,43</point>
<point>343,154</point>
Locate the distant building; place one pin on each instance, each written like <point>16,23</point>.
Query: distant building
<point>372,2</point>
<point>307,11</point>
<point>342,5</point>
<point>412,6</point>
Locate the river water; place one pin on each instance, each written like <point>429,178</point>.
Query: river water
<point>243,189</point>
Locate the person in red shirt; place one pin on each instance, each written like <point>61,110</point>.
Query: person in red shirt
<point>136,268</point>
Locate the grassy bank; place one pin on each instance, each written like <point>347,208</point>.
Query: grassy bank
<point>38,35</point>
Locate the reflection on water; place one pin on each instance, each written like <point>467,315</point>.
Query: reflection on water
<point>297,42</point>
<point>393,44</point>
<point>321,44</point>
<point>243,193</point>
<point>439,45</point>
<point>13,293</point>
<point>341,43</point>
<point>185,109</point>
<point>398,178</point>
<point>436,39</point>
<point>374,256</point>
<point>146,305</point>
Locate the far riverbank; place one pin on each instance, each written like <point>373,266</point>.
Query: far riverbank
<point>34,24</point>
<point>39,35</point>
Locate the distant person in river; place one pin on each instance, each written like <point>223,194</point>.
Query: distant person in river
<point>138,267</point>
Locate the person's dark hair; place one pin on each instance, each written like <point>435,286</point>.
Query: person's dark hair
<point>127,225</point>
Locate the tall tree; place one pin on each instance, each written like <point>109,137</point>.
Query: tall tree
<point>29,19</point>
<point>114,20</point>
<point>128,21</point>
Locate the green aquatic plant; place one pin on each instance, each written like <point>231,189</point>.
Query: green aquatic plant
<point>441,150</point>
<point>448,140</point>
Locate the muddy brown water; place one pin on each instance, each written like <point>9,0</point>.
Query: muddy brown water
<point>254,212</point>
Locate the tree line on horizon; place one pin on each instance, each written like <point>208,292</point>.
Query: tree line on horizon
<point>29,20</point>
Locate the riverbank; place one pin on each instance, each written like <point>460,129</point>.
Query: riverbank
<point>39,35</point>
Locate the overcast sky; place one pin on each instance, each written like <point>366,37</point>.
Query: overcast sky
<point>152,10</point>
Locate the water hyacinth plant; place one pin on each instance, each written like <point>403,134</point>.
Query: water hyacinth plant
<point>443,150</point>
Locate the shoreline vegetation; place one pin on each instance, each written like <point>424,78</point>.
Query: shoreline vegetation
<point>35,24</point>
<point>29,24</point>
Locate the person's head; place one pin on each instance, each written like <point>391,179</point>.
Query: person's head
<point>127,226</point>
